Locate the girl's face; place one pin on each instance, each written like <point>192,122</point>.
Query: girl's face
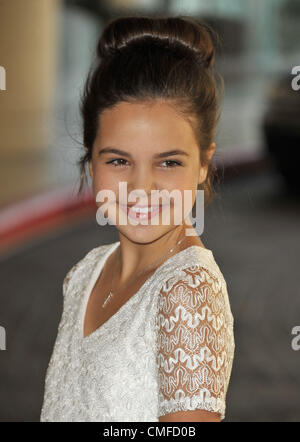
<point>150,147</point>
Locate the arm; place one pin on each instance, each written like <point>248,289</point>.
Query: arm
<point>191,416</point>
<point>195,347</point>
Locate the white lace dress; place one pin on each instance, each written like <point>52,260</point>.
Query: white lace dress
<point>170,347</point>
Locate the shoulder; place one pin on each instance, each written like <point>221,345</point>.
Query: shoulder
<point>194,280</point>
<point>83,268</point>
<point>197,294</point>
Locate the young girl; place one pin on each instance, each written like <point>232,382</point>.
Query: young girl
<point>146,332</point>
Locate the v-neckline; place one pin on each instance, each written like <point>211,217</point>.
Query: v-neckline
<point>94,277</point>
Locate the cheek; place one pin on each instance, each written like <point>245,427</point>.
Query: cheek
<point>187,180</point>
<point>183,185</point>
<point>102,181</point>
<point>105,191</point>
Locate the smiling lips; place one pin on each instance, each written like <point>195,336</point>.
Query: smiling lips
<point>141,212</point>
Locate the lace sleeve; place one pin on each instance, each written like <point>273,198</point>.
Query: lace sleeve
<point>195,342</point>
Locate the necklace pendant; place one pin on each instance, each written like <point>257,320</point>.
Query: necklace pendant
<point>107,298</point>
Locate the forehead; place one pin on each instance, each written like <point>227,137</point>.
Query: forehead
<point>155,122</point>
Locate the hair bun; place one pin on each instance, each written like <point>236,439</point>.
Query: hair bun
<point>173,33</point>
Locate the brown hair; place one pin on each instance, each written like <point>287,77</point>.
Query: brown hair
<point>142,58</point>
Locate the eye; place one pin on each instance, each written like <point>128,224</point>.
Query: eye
<point>116,165</point>
<point>173,163</point>
<point>170,163</point>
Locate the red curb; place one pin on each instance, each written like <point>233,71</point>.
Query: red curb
<point>35,216</point>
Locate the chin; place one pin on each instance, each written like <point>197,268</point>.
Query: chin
<point>143,234</point>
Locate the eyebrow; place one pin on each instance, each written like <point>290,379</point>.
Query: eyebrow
<point>168,153</point>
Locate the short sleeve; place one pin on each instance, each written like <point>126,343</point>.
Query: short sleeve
<point>195,342</point>
<point>68,282</point>
<point>67,279</point>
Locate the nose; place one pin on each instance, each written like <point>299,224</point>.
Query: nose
<point>140,183</point>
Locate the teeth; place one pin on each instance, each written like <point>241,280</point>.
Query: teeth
<point>142,210</point>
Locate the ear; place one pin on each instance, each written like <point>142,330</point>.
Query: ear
<point>203,169</point>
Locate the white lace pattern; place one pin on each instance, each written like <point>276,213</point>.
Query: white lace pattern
<point>195,342</point>
<point>170,347</point>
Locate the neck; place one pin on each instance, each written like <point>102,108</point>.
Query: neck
<point>133,257</point>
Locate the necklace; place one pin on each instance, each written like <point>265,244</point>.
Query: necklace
<point>111,293</point>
